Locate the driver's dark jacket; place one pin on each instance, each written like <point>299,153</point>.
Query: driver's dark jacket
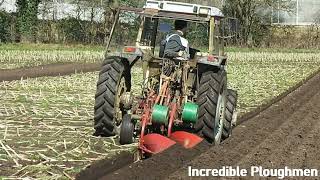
<point>172,45</point>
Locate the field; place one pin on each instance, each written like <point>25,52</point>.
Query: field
<point>11,59</point>
<point>22,56</point>
<point>46,123</point>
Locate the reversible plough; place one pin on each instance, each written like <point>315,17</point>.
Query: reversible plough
<point>167,106</point>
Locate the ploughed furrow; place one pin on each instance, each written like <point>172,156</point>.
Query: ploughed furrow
<point>304,152</point>
<point>159,166</point>
<point>307,154</point>
<point>281,144</point>
<point>283,135</point>
<point>102,167</point>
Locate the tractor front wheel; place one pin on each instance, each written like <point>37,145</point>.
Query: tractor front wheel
<point>212,104</point>
<point>127,130</point>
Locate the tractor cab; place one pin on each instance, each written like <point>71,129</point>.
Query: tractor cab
<point>206,29</point>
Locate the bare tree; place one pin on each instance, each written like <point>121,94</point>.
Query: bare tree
<point>251,14</point>
<point>1,2</point>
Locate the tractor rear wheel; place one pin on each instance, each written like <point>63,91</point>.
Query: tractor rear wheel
<point>212,101</point>
<point>114,80</point>
<point>230,113</point>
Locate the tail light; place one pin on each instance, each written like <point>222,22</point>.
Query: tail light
<point>130,49</point>
<point>212,58</point>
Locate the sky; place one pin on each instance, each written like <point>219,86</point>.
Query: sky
<point>61,10</point>
<point>308,10</point>
<point>9,5</point>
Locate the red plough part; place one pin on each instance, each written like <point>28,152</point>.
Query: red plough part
<point>153,143</point>
<point>186,139</point>
<point>156,143</point>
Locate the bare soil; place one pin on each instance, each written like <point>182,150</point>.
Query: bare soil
<point>46,70</point>
<point>284,132</point>
<point>106,165</point>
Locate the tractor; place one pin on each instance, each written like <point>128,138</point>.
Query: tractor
<point>182,101</point>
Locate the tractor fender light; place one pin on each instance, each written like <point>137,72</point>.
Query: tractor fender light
<point>212,58</point>
<point>130,49</point>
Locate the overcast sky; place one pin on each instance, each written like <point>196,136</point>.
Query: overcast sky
<point>61,10</point>
<point>9,5</point>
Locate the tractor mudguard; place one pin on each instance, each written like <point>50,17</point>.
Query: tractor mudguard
<point>130,53</point>
<point>211,60</point>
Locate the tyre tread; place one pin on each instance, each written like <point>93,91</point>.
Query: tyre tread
<point>109,77</point>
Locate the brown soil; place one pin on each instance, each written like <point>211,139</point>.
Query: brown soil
<point>105,166</point>
<point>161,165</point>
<point>46,70</point>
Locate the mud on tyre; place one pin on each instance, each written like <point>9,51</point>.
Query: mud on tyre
<point>114,79</point>
<point>211,100</point>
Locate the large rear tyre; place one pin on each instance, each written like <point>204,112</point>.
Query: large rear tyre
<point>230,113</point>
<point>212,101</point>
<point>114,80</point>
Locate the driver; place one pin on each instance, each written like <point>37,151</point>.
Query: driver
<point>175,45</point>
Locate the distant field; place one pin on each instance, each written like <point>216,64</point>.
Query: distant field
<point>54,47</point>
<point>272,50</point>
<point>261,75</point>
<point>28,55</point>
<point>79,47</point>
<point>11,59</point>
